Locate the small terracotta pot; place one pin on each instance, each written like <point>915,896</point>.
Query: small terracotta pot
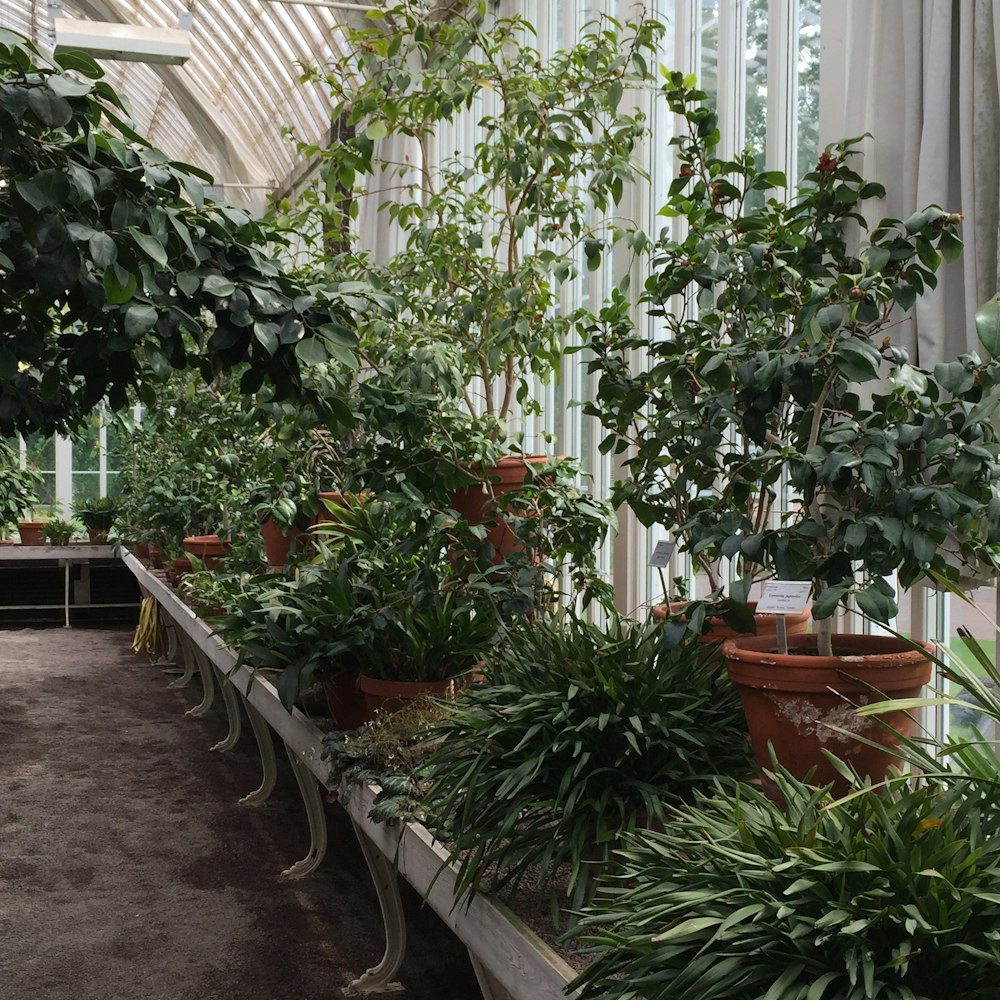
<point>141,551</point>
<point>31,532</point>
<point>155,556</point>
<point>792,700</point>
<point>391,696</point>
<point>277,539</point>
<point>211,549</point>
<point>97,536</point>
<point>178,567</point>
<point>477,504</point>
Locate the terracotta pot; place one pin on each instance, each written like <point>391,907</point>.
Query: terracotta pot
<point>178,567</point>
<point>391,696</point>
<point>97,536</point>
<point>6,541</point>
<point>791,701</point>
<point>348,706</point>
<point>719,631</point>
<point>277,539</point>
<point>155,556</point>
<point>31,532</point>
<point>210,549</point>
<point>141,551</point>
<point>477,503</point>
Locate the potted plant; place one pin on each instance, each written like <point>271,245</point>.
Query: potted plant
<point>18,489</point>
<point>58,531</point>
<point>782,369</point>
<point>98,515</point>
<point>577,736</point>
<point>473,298</point>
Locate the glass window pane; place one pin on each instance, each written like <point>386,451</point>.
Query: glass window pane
<point>808,93</point>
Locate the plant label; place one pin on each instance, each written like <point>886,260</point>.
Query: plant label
<point>662,552</point>
<point>784,597</point>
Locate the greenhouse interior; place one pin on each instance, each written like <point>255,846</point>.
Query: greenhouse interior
<point>500,499</point>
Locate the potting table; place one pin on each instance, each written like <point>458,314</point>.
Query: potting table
<point>510,961</point>
<point>65,555</point>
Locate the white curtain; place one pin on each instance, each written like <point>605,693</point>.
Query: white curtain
<point>922,77</point>
<point>377,233</point>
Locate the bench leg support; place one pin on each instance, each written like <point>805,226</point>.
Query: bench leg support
<point>268,765</point>
<point>379,978</point>
<point>313,801</point>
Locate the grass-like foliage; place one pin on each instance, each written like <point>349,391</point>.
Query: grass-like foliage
<point>891,894</point>
<point>579,734</point>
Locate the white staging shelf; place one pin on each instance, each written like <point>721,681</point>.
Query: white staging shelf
<point>510,961</point>
<point>65,556</point>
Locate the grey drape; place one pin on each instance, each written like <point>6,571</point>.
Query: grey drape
<point>921,76</point>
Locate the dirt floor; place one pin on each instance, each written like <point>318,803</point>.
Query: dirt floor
<point>128,870</point>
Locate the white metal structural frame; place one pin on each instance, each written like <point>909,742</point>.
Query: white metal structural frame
<point>225,109</point>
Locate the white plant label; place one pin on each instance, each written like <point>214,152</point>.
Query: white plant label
<point>662,552</point>
<point>784,597</point>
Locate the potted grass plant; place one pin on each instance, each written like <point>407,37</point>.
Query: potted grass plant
<point>576,736</point>
<point>783,369</point>
<point>98,515</point>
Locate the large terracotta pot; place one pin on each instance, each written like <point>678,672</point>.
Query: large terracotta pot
<point>210,549</point>
<point>31,532</point>
<point>277,539</point>
<point>718,631</point>
<point>792,700</point>
<point>477,503</point>
<point>346,702</point>
<point>391,696</point>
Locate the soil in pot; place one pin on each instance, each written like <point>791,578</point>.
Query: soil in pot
<point>719,631</point>
<point>477,504</point>
<point>31,532</point>
<point>802,703</point>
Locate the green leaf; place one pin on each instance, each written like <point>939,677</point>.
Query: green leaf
<point>47,189</point>
<point>139,319</point>
<point>219,285</point>
<point>694,925</point>
<point>103,250</point>
<point>115,291</point>
<point>830,318</point>
<point>874,603</point>
<point>312,351</point>
<point>149,244</point>
<point>377,130</point>
<point>988,326</point>
<point>68,86</point>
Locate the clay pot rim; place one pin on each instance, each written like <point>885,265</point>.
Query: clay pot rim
<point>889,664</point>
<point>761,648</point>
<point>379,687</point>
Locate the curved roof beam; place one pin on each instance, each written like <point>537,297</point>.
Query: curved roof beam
<point>217,133</point>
